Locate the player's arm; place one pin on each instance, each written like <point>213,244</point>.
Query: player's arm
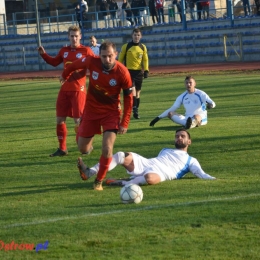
<point>196,169</point>
<point>122,54</point>
<point>145,60</point>
<point>82,63</point>
<point>54,61</point>
<point>128,101</point>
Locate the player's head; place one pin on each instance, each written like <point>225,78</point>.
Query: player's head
<point>93,40</point>
<point>182,139</point>
<point>108,54</point>
<point>74,36</point>
<point>190,84</point>
<point>136,35</point>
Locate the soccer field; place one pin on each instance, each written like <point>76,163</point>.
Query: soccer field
<point>47,212</point>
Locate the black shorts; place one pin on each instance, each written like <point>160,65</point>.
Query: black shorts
<point>137,78</point>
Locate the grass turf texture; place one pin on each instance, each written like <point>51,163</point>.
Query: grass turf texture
<point>43,198</point>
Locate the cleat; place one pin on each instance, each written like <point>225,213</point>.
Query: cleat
<point>59,152</point>
<point>136,116</point>
<point>89,152</point>
<point>188,123</point>
<point>114,182</point>
<point>97,185</point>
<point>84,172</point>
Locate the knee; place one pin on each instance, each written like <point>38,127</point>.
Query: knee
<point>152,178</point>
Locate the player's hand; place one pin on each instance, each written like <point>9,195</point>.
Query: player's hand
<point>41,50</point>
<point>146,72</point>
<point>209,106</point>
<point>153,122</point>
<point>122,130</point>
<point>62,80</point>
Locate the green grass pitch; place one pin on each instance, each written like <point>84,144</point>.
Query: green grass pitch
<point>43,199</point>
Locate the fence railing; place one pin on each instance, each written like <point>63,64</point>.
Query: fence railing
<point>59,20</point>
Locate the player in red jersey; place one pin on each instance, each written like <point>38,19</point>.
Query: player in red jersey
<point>72,95</point>
<point>103,107</point>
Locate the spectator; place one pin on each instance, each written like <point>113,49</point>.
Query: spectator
<point>192,8</point>
<point>143,12</point>
<point>153,11</point>
<point>84,9</point>
<point>199,9</point>
<point>247,8</point>
<point>104,10</point>
<point>160,11</point>
<point>257,4</point>
<point>78,16</point>
<point>113,7</point>
<point>127,8</point>
<point>178,5</point>
<point>136,12</point>
<point>205,9</point>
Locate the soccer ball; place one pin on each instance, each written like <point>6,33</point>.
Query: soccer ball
<point>131,193</point>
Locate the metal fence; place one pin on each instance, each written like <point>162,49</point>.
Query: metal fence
<point>58,21</point>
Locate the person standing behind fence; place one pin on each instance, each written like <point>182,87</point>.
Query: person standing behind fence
<point>205,9</point>
<point>78,15</point>
<point>153,11</point>
<point>134,56</point>
<point>199,9</point>
<point>247,8</point>
<point>159,6</point>
<point>104,10</point>
<point>113,7</point>
<point>127,8</point>
<point>72,95</point>
<point>192,8</point>
<point>136,12</point>
<point>143,12</point>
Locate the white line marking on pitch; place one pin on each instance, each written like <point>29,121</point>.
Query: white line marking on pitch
<point>125,210</point>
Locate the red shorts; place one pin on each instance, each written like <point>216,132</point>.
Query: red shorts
<point>92,124</point>
<point>70,103</point>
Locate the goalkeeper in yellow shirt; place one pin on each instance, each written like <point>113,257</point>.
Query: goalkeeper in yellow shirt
<point>135,57</point>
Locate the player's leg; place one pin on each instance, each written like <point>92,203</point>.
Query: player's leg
<point>109,138</point>
<point>138,86</point>
<point>194,121</point>
<point>62,108</point>
<point>177,118</point>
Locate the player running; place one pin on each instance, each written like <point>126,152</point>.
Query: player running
<point>195,101</point>
<point>72,94</point>
<point>170,164</point>
<point>103,108</point>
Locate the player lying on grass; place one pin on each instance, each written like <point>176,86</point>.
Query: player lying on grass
<point>170,164</point>
<point>195,101</point>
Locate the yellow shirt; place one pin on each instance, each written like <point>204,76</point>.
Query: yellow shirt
<point>134,56</point>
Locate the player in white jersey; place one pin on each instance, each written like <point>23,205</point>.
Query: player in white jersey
<point>170,164</point>
<point>94,45</point>
<point>195,101</point>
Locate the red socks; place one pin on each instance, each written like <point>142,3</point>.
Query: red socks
<point>103,167</point>
<point>61,131</point>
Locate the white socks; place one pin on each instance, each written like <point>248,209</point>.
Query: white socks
<point>139,180</point>
<point>117,158</point>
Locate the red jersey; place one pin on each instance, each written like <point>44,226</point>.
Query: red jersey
<point>77,80</point>
<point>104,87</point>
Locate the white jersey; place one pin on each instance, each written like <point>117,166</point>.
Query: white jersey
<point>194,104</point>
<point>170,164</point>
<point>95,49</point>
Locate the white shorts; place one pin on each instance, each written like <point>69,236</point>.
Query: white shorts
<point>143,166</point>
<point>183,119</point>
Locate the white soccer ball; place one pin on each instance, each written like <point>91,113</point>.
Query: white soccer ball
<point>131,193</point>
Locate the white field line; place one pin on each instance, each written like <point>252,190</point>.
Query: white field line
<point>49,220</point>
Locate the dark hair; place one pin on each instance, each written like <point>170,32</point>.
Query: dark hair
<point>106,44</point>
<point>189,77</point>
<point>183,129</point>
<point>136,30</point>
